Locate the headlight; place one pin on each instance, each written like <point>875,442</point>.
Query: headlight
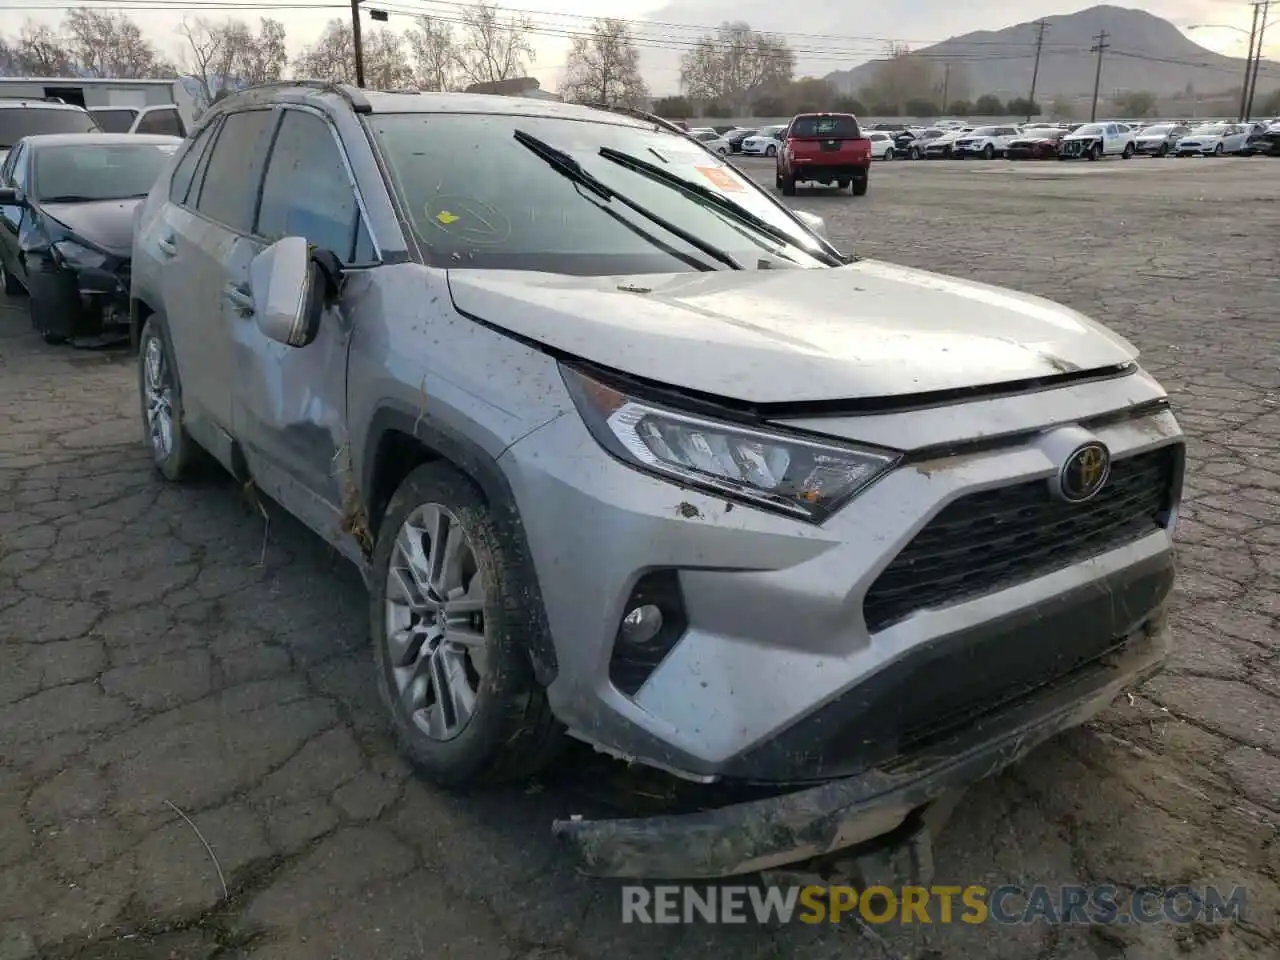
<point>78,255</point>
<point>777,471</point>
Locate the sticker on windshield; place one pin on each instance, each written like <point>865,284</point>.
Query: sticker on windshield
<point>445,217</point>
<point>721,179</point>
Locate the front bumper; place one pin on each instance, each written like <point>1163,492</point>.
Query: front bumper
<point>779,641</point>
<point>69,301</point>
<point>847,814</point>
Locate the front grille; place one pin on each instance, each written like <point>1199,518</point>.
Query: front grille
<point>996,538</point>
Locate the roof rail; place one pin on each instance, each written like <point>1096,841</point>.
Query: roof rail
<point>15,96</point>
<point>639,115</point>
<point>353,95</point>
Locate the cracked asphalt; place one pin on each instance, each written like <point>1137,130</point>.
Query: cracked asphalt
<point>179,670</point>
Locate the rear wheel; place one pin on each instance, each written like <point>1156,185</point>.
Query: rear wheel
<point>1128,151</point>
<point>888,154</point>
<point>788,186</point>
<point>175,454</point>
<point>771,151</point>
<point>914,153</point>
<point>860,186</point>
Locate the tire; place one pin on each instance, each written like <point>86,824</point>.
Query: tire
<point>510,732</point>
<point>1128,151</point>
<point>888,155</point>
<point>1218,151</point>
<point>9,282</point>
<point>721,151</point>
<point>771,151</point>
<point>988,152</point>
<point>1091,153</point>
<point>788,186</point>
<point>913,154</point>
<point>177,457</point>
<point>860,185</point>
<point>1163,151</point>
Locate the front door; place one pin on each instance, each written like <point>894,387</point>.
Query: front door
<point>290,402</point>
<point>11,214</point>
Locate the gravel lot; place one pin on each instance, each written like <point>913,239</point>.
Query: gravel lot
<point>171,650</point>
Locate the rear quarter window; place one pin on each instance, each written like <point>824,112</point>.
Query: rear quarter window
<point>817,128</point>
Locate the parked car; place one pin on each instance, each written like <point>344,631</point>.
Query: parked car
<point>1039,143</point>
<point>1213,140</point>
<point>164,119</point>
<point>881,145</point>
<point>1255,131</point>
<point>1269,143</point>
<point>712,141</point>
<point>736,137</point>
<point>641,534</point>
<point>825,148</point>
<point>985,142</point>
<point>910,144</point>
<point>765,142</point>
<point>1159,139</point>
<point>66,226</point>
<point>24,117</point>
<point>943,147</point>
<point>1093,141</point>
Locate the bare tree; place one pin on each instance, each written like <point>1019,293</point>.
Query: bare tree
<point>604,67</point>
<point>385,65</point>
<point>736,65</point>
<point>226,55</point>
<point>493,48</point>
<point>331,57</point>
<point>435,53</point>
<point>43,52</point>
<point>106,44</point>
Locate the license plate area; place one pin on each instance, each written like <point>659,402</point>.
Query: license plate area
<point>830,146</point>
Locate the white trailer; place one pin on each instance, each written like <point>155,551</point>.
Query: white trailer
<point>91,93</point>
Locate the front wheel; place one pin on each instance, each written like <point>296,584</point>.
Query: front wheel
<point>988,152</point>
<point>1218,150</point>
<point>1092,153</point>
<point>888,155</point>
<point>174,453</point>
<point>913,154</point>
<point>771,151</point>
<point>1128,151</point>
<point>1164,150</point>
<point>449,618</point>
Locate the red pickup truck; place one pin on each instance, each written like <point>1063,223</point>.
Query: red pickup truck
<point>825,148</point>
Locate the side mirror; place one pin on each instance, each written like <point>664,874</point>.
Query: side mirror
<point>289,285</point>
<point>814,223</point>
<point>11,196</point>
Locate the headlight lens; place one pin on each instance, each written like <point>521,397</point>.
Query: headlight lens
<point>788,474</point>
<point>78,255</point>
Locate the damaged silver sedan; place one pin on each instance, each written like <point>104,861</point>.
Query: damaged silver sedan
<point>627,451</point>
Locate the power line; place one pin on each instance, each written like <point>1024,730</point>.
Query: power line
<point>1041,26</point>
<point>1100,45</point>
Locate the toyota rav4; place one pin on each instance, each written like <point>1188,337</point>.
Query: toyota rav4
<point>844,533</point>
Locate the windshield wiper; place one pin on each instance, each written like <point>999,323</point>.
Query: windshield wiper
<point>705,194</point>
<point>68,198</point>
<point>569,168</point>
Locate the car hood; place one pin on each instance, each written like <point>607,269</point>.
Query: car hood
<point>107,224</point>
<point>870,329</point>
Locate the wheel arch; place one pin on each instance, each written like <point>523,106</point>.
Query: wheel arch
<point>398,442</point>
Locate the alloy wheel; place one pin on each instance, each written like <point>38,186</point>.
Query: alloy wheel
<point>435,632</point>
<point>158,388</point>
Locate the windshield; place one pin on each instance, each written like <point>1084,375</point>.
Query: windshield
<point>116,119</point>
<point>93,171</point>
<point>19,122</point>
<point>812,127</point>
<point>496,204</point>
<point>1209,130</point>
<point>1089,129</point>
<point>1159,128</point>
<point>984,132</point>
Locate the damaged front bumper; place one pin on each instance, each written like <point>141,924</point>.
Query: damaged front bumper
<point>73,301</point>
<point>898,801</point>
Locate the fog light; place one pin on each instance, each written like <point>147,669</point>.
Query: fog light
<point>641,625</point>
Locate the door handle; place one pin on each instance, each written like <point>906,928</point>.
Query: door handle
<point>167,247</point>
<point>239,297</point>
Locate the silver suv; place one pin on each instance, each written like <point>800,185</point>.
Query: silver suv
<point>625,449</point>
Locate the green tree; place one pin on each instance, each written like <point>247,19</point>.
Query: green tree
<point>848,105</point>
<point>676,108</point>
<point>960,108</point>
<point>1022,107</point>
<point>917,107</point>
<point>1136,103</point>
<point>1061,109</point>
<point>988,105</point>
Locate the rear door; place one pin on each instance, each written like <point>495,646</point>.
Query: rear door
<point>290,402</point>
<point>210,229</point>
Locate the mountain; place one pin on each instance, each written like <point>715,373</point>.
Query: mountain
<point>1145,53</point>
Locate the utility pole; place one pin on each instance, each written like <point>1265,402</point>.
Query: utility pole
<point>946,83</point>
<point>1248,64</point>
<point>1041,25</point>
<point>1099,45</point>
<point>1265,7</point>
<point>355,42</point>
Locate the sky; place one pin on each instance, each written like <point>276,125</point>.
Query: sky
<point>666,33</point>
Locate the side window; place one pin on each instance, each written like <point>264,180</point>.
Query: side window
<point>6,169</point>
<point>162,121</point>
<point>19,171</point>
<point>185,171</point>
<point>307,191</point>
<point>229,188</point>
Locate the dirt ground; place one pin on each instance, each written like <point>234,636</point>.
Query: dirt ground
<point>177,670</point>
